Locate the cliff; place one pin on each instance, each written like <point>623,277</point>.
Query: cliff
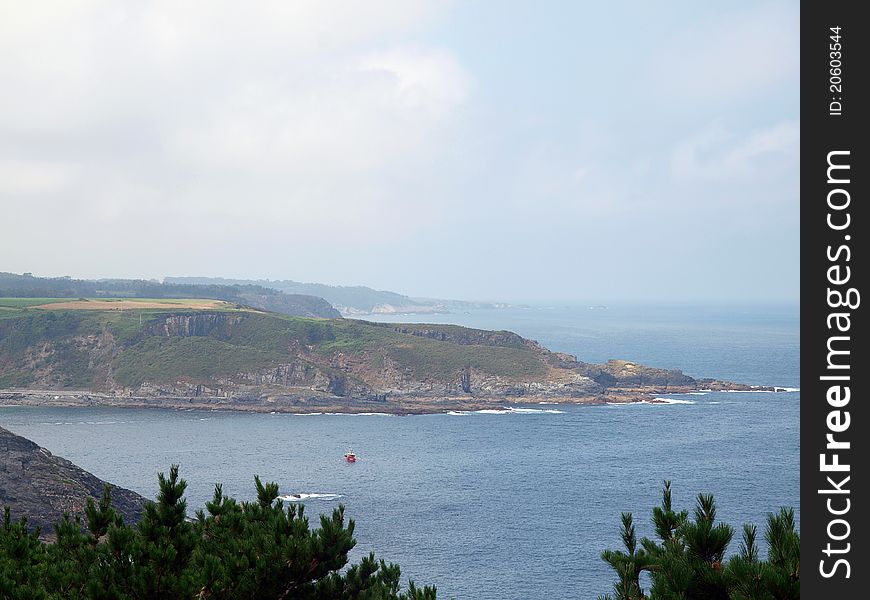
<point>264,358</point>
<point>41,486</point>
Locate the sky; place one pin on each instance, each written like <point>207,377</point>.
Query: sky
<point>491,150</point>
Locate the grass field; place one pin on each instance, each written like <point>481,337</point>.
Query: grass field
<point>28,302</point>
<point>118,304</point>
<point>130,304</point>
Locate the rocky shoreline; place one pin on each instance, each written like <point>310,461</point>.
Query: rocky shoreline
<point>307,404</point>
<point>43,487</point>
<point>260,362</point>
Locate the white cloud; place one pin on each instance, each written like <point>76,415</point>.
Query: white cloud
<point>399,143</point>
<point>728,57</point>
<point>304,112</point>
<point>716,153</point>
<point>26,179</point>
<point>420,79</point>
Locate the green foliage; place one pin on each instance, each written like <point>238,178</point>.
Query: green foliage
<point>60,345</point>
<point>199,358</point>
<point>70,363</point>
<point>32,327</point>
<point>442,360</point>
<point>687,561</point>
<point>232,550</point>
<point>27,302</point>
<point>359,297</point>
<point>22,561</point>
<point>628,564</point>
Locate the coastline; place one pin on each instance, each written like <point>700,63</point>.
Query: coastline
<point>289,404</point>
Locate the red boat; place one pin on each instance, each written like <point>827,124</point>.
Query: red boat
<point>350,457</point>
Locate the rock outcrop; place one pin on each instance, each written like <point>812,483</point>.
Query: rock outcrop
<point>36,484</point>
<point>626,374</point>
<point>192,325</point>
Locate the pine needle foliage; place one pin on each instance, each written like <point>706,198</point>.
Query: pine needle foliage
<point>687,560</point>
<point>231,550</point>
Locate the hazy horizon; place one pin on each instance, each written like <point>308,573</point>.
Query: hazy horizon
<point>546,153</point>
<point>517,301</point>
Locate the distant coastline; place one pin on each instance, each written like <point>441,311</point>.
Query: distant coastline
<point>215,354</point>
<point>397,405</point>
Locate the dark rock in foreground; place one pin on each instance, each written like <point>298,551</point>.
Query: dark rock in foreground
<point>42,487</point>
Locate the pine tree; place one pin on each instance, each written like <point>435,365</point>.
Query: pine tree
<point>628,564</point>
<point>22,561</point>
<point>232,551</point>
<point>692,567</point>
<point>101,516</point>
<point>779,576</point>
<point>687,561</point>
<point>165,542</point>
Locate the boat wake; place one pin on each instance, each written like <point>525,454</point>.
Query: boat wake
<point>303,497</point>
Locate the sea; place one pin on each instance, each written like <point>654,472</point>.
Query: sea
<point>512,504</point>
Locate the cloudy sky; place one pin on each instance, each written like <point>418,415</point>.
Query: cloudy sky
<point>545,150</point>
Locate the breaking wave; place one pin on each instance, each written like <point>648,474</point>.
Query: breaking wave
<point>671,401</point>
<point>776,390</point>
<point>302,497</point>
<point>506,411</point>
<point>654,402</point>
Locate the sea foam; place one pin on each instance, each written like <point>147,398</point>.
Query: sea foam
<point>653,402</point>
<point>301,497</point>
<point>671,401</point>
<point>509,410</point>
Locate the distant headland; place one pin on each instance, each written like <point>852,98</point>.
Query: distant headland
<point>224,354</point>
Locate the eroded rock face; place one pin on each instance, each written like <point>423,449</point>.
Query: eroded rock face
<point>623,374</point>
<point>198,324</point>
<point>299,377</point>
<point>36,484</point>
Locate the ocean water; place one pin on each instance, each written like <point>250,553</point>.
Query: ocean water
<point>749,344</point>
<point>498,505</point>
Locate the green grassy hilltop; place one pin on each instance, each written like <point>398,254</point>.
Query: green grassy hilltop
<point>44,342</point>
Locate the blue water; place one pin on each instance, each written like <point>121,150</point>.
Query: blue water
<point>512,506</point>
<point>755,345</point>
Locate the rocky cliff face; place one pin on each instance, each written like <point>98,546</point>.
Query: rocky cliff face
<point>193,325</point>
<point>297,378</point>
<point>252,355</point>
<point>36,484</point>
<point>625,374</point>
